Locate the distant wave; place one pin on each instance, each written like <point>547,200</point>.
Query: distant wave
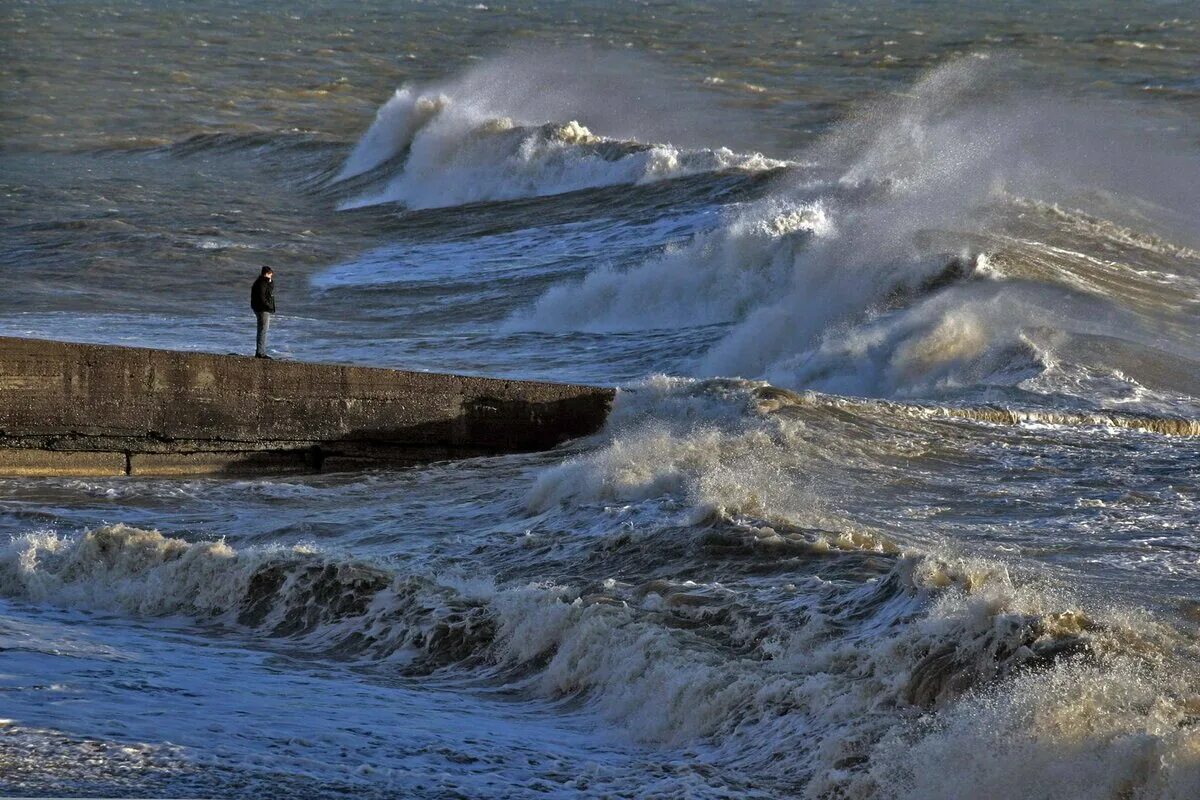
<point>458,143</point>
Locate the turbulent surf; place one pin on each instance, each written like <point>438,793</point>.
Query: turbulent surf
<point>899,494</point>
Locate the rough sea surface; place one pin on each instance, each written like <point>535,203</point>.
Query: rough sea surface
<point>901,492</point>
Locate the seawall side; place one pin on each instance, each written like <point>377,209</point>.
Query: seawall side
<point>74,409</point>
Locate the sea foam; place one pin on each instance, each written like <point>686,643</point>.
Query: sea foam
<point>511,129</point>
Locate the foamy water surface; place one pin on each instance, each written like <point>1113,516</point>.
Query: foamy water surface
<point>900,492</point>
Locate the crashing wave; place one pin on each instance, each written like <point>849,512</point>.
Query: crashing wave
<point>819,694</point>
<point>437,148</point>
<point>870,302</point>
<point>717,277</point>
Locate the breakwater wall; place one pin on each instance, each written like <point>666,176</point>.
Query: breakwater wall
<point>75,409</point>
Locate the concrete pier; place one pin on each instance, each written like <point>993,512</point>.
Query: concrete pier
<point>91,410</point>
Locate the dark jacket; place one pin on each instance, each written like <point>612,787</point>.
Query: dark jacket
<point>262,295</point>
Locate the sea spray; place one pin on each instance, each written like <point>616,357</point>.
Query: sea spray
<point>964,568</point>
<point>822,686</point>
<point>511,128</point>
<point>855,298</point>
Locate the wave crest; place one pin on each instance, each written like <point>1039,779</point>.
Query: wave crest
<point>466,142</point>
<point>821,692</point>
<point>930,272</point>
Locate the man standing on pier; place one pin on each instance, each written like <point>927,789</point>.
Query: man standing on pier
<point>262,300</point>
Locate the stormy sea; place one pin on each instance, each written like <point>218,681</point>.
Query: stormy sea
<point>900,492</point>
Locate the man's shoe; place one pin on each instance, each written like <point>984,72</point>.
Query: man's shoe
<point>262,355</point>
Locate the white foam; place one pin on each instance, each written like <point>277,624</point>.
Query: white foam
<point>717,277</point>
<point>793,699</point>
<point>841,304</point>
<point>498,133</point>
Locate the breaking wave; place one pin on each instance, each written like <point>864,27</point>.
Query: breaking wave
<point>505,130</point>
<point>862,680</point>
<point>914,264</point>
<point>832,658</point>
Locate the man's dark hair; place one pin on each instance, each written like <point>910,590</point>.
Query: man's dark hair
<point>267,271</point>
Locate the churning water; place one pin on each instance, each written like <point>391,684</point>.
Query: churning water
<point>901,489</point>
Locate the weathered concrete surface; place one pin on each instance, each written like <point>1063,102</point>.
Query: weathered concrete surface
<point>51,462</point>
<point>73,409</point>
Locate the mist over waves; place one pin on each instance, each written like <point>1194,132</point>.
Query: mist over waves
<point>900,491</point>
